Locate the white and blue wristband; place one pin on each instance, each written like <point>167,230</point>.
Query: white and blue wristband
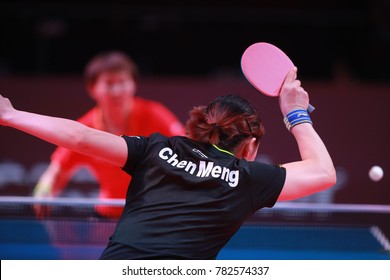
<point>295,117</point>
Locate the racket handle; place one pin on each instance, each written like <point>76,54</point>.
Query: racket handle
<point>310,108</point>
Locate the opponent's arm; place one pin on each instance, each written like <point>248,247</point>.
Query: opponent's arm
<point>315,171</point>
<point>66,133</point>
<point>52,181</point>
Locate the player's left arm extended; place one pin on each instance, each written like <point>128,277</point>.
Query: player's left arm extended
<point>66,133</point>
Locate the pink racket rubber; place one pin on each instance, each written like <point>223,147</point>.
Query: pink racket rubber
<point>265,66</point>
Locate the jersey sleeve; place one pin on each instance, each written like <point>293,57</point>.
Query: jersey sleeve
<point>267,183</point>
<point>136,146</point>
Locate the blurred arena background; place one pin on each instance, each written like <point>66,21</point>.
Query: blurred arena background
<point>188,53</point>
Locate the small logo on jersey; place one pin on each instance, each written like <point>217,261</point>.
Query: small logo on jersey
<point>199,153</point>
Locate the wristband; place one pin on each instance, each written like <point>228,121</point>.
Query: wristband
<point>296,117</point>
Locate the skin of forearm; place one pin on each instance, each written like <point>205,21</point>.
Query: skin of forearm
<point>69,134</point>
<point>314,172</point>
<point>312,148</point>
<point>54,130</point>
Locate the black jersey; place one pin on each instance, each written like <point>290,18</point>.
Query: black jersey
<point>187,199</point>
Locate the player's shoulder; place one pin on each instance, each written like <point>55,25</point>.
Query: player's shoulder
<point>148,104</point>
<point>168,141</point>
<point>88,117</point>
<point>158,137</point>
<point>152,138</point>
<point>152,108</point>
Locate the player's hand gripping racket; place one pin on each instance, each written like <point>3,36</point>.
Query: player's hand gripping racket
<point>265,66</point>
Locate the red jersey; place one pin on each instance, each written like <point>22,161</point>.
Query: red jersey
<point>146,117</point>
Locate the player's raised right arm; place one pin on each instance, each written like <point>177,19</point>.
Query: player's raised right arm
<point>66,133</point>
<point>315,171</point>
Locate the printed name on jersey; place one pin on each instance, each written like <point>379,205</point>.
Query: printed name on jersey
<point>204,169</point>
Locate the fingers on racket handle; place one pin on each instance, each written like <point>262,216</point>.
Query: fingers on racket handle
<point>310,108</point>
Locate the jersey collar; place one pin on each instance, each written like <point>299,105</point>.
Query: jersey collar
<point>222,150</point>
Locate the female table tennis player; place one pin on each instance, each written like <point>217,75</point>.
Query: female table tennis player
<point>189,195</point>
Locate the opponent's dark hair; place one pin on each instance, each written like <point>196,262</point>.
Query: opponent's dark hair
<point>111,61</point>
<point>225,122</point>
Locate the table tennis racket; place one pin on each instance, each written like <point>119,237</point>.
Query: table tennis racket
<point>265,66</point>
